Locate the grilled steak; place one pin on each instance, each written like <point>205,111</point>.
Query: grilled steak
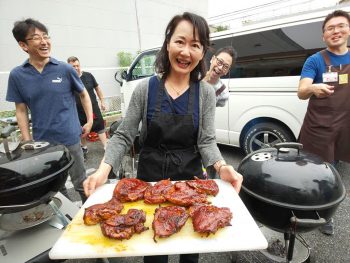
<point>184,195</point>
<point>124,226</point>
<point>204,186</point>
<point>168,220</point>
<point>208,218</point>
<point>155,194</point>
<point>99,212</point>
<point>130,189</point>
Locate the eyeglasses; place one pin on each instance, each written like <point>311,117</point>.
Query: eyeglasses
<point>38,38</point>
<point>220,63</point>
<point>341,27</point>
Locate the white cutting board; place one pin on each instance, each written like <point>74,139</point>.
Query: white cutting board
<point>81,241</point>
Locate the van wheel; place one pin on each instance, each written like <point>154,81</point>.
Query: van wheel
<point>265,135</point>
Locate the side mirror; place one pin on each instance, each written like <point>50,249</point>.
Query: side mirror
<point>119,76</point>
<point>124,74</point>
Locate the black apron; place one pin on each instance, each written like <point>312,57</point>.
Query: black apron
<point>170,149</point>
<point>326,126</point>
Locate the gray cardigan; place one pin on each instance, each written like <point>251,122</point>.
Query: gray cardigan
<point>124,137</point>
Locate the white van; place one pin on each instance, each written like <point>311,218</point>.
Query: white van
<point>263,108</point>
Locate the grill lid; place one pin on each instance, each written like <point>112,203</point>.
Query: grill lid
<point>30,163</point>
<point>32,174</point>
<point>289,177</point>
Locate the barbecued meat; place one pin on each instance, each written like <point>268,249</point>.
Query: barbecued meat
<point>168,220</point>
<point>130,189</point>
<point>204,186</point>
<point>99,212</point>
<point>155,194</point>
<point>208,218</point>
<point>182,194</point>
<point>124,226</point>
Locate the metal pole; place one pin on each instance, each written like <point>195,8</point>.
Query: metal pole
<point>138,26</point>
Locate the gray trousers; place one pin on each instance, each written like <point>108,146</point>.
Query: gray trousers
<point>77,172</point>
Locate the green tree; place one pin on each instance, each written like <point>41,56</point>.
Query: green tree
<point>124,58</point>
<point>222,28</point>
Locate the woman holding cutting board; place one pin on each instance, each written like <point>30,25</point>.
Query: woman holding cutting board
<point>177,112</point>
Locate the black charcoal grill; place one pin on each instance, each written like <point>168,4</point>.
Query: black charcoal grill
<point>289,190</point>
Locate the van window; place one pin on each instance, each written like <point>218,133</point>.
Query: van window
<point>144,67</point>
<point>271,65</point>
<point>276,52</point>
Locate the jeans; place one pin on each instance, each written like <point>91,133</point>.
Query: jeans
<point>77,172</point>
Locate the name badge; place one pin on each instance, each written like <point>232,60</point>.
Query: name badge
<point>343,79</point>
<point>330,77</point>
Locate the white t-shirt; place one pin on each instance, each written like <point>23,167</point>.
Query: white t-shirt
<point>224,93</point>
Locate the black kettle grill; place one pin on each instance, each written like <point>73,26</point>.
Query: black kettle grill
<point>290,190</point>
<point>31,174</point>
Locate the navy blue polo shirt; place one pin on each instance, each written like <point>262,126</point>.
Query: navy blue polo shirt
<point>50,97</point>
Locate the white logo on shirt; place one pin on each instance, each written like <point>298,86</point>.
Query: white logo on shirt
<point>58,80</point>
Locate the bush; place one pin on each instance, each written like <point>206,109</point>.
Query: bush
<point>7,114</point>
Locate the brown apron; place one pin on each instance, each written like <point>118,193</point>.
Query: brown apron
<point>326,127</point>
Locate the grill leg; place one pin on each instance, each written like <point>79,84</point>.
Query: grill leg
<point>290,248</point>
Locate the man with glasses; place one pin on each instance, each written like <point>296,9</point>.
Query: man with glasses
<point>325,82</point>
<point>220,65</point>
<point>45,86</point>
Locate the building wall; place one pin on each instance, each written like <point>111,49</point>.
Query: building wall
<point>94,31</point>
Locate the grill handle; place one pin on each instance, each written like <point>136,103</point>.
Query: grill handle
<point>307,222</point>
<point>283,147</point>
<point>6,132</point>
<point>19,207</point>
<point>293,145</point>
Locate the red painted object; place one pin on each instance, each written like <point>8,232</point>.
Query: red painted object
<point>92,137</point>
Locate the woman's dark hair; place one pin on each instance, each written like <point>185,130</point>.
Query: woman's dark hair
<point>22,28</point>
<point>229,50</point>
<point>334,14</point>
<point>162,63</point>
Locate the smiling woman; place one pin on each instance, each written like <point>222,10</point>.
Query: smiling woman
<point>173,106</point>
<point>185,52</point>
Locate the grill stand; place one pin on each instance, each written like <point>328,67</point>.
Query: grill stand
<point>59,214</point>
<point>289,241</point>
<point>297,251</point>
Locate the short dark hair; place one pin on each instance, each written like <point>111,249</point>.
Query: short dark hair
<point>23,27</point>
<point>162,63</point>
<point>229,50</point>
<point>72,59</point>
<point>335,13</point>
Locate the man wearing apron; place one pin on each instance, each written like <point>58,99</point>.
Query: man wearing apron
<point>325,82</point>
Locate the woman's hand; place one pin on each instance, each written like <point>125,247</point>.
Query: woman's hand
<point>228,174</point>
<point>96,179</point>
